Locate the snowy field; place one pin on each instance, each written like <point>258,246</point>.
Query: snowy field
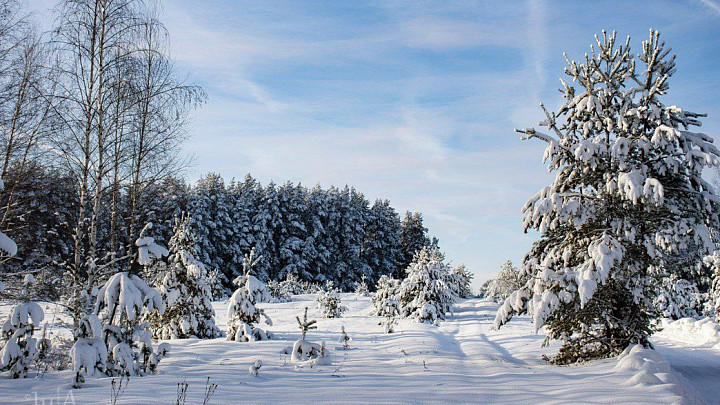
<point>461,361</point>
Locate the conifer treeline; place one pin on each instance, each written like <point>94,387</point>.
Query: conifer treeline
<point>317,234</point>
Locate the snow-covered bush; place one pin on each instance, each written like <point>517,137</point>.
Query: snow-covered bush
<point>460,280</point>
<point>329,302</point>
<point>508,280</point>
<point>425,295</point>
<point>628,204</point>
<point>242,313</point>
<point>255,368</point>
<point>278,292</point>
<point>385,300</point>
<point>292,285</point>
<point>20,349</point>
<point>188,300</point>
<point>362,288</point>
<point>678,298</point>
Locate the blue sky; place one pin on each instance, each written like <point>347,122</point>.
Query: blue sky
<point>412,101</point>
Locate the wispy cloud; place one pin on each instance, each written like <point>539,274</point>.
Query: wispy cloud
<point>711,5</point>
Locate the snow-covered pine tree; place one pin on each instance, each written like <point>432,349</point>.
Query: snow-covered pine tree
<point>508,280</point>
<point>242,313</point>
<point>293,208</point>
<point>425,295</point>
<point>628,204</point>
<point>460,280</point>
<point>385,299</point>
<point>20,349</point>
<point>677,298</point>
<point>188,299</point>
<point>361,288</point>
<point>114,338</point>
<point>216,280</point>
<point>329,302</point>
<point>209,208</point>
<point>381,247</point>
<point>413,237</point>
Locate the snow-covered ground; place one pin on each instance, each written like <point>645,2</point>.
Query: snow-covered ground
<point>462,361</point>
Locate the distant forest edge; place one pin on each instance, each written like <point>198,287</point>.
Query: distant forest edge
<point>315,234</point>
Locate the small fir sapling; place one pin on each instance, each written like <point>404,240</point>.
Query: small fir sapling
<point>304,350</point>
<point>362,288</point>
<point>305,325</point>
<point>243,315</point>
<point>329,302</point>
<point>389,323</point>
<point>21,349</point>
<point>216,281</point>
<point>385,298</point>
<point>508,280</point>
<point>461,278</point>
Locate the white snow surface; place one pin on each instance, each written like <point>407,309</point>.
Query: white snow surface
<point>464,360</point>
<point>693,349</point>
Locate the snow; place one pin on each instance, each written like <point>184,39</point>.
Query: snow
<point>8,245</point>
<point>693,349</point>
<point>462,360</point>
<point>699,333</point>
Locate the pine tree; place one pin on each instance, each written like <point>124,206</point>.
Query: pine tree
<point>329,302</point>
<point>385,300</point>
<point>712,301</point>
<point>628,204</point>
<point>508,280</point>
<point>677,298</point>
<point>413,237</point>
<point>382,250</point>
<point>188,299</point>
<point>460,280</point>
<point>21,349</point>
<point>242,313</point>
<point>425,295</point>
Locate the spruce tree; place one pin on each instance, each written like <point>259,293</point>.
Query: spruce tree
<point>188,299</point>
<point>628,205</point>
<point>460,280</point>
<point>425,295</point>
<point>413,237</point>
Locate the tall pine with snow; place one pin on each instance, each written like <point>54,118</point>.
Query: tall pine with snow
<point>413,237</point>
<point>628,205</point>
<point>188,299</point>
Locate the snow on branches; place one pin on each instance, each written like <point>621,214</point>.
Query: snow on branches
<point>242,313</point>
<point>188,298</point>
<point>425,294</point>
<point>21,349</point>
<point>328,302</point>
<point>115,339</point>
<point>628,204</point>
